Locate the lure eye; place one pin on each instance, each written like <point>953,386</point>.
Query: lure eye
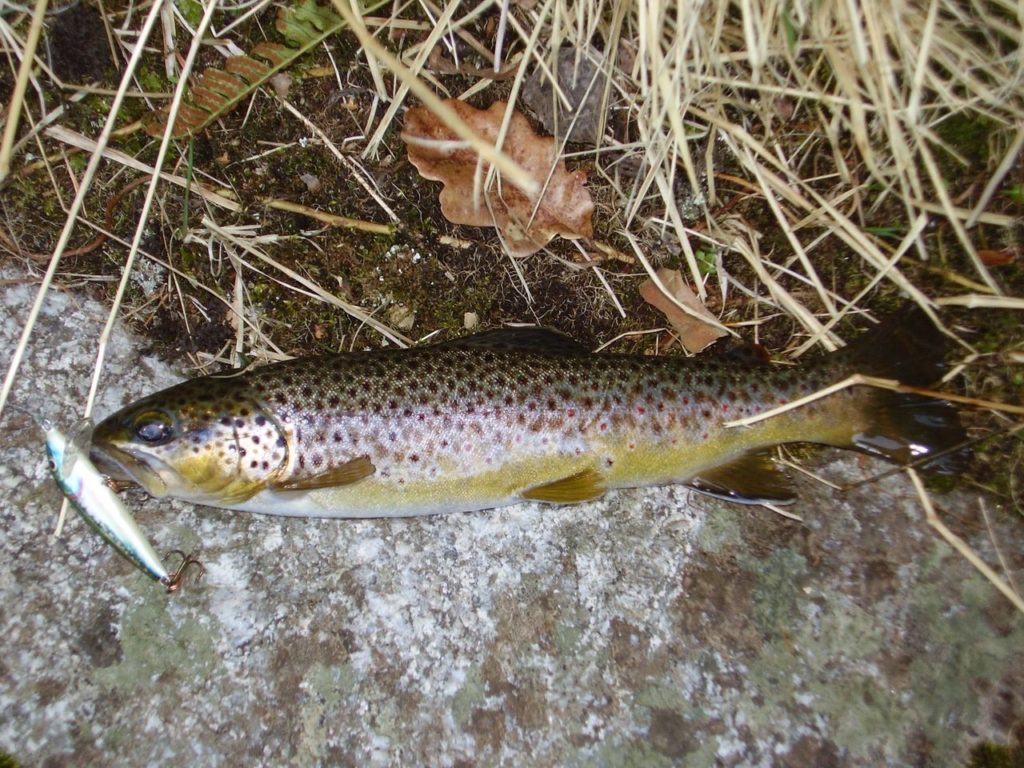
<point>153,427</point>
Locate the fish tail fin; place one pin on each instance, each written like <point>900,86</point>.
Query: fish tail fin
<point>906,427</point>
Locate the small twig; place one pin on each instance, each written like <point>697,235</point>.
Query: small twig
<point>858,379</point>
<point>995,545</point>
<point>330,218</point>
<point>962,546</point>
<point>320,293</point>
<point>783,512</point>
<point>67,136</point>
<point>344,159</point>
<point>20,86</point>
<point>76,206</point>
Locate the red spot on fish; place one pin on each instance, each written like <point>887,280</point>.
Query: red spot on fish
<point>725,407</point>
<point>571,413</point>
<point>641,410</point>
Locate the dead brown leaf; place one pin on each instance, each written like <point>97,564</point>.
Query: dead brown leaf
<point>527,222</point>
<point>694,334</point>
<point>1000,258</point>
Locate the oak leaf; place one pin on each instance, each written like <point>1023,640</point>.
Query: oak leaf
<point>527,222</point>
<point>694,334</point>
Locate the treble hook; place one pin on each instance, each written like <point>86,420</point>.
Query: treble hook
<point>176,579</point>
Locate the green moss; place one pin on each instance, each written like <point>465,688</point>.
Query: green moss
<point>191,10</point>
<point>8,761</point>
<point>150,79</point>
<point>989,755</point>
<point>967,135</point>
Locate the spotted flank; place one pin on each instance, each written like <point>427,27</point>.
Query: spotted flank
<point>512,415</point>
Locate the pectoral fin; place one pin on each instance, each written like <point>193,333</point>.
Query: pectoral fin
<point>750,479</point>
<point>582,486</point>
<point>350,472</point>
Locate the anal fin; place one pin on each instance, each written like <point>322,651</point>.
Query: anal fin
<point>350,472</point>
<point>581,486</point>
<point>751,479</point>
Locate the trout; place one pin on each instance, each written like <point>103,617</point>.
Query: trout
<point>515,415</point>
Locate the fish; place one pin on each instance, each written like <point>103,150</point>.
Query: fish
<point>515,415</point>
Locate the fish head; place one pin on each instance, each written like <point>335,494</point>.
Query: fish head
<point>204,441</point>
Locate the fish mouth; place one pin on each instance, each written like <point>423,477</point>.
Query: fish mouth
<point>120,464</point>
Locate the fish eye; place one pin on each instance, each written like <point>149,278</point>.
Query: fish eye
<point>153,427</point>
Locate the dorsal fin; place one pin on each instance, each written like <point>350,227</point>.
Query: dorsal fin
<point>741,352</point>
<point>751,479</point>
<point>527,339</point>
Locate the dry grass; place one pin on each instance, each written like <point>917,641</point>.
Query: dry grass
<point>829,160</point>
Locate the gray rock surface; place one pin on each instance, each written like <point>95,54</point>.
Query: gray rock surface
<point>649,628</point>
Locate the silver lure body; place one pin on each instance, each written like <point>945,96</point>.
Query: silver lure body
<point>87,491</point>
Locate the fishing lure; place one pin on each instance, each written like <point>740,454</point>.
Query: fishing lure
<point>101,508</point>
